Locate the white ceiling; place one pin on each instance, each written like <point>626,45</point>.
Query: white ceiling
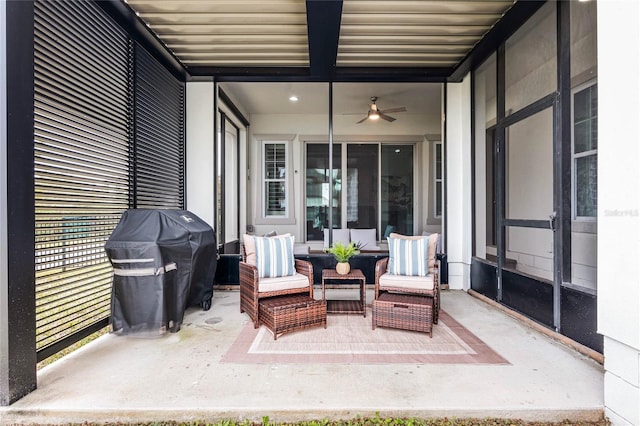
<point>274,33</point>
<point>229,32</point>
<point>273,98</point>
<point>391,35</point>
<point>413,33</point>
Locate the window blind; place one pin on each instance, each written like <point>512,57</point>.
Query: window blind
<point>275,179</point>
<point>159,134</point>
<point>82,130</point>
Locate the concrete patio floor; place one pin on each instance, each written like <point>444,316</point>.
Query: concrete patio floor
<point>179,377</point>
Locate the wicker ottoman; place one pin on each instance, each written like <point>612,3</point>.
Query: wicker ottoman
<point>283,314</point>
<point>403,311</point>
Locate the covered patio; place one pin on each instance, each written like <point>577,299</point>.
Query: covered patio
<point>182,377</point>
<point>516,141</point>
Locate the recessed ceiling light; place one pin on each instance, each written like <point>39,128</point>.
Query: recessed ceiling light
<point>397,150</point>
<point>293,98</point>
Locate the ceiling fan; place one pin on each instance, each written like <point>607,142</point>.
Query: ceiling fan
<point>374,113</point>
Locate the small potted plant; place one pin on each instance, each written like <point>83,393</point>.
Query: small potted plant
<point>343,252</point>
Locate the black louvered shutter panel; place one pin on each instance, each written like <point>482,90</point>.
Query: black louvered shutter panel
<point>82,130</point>
<point>159,135</point>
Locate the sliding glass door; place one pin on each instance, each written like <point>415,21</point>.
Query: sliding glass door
<point>397,189</point>
<point>317,189</point>
<point>378,189</point>
<point>362,186</point>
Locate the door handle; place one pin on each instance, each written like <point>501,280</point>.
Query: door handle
<point>552,221</point>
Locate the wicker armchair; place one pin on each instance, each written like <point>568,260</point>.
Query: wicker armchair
<point>428,286</point>
<point>253,288</point>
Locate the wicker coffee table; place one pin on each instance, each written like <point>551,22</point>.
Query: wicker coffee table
<point>345,306</point>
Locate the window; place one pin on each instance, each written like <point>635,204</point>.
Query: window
<point>437,179</point>
<point>585,150</point>
<point>378,187</point>
<point>275,179</point>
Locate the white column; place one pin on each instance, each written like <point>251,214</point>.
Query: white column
<point>458,182</point>
<point>619,206</point>
<point>200,150</point>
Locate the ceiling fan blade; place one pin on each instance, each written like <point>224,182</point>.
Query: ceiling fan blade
<point>399,109</point>
<point>386,117</point>
<point>363,120</point>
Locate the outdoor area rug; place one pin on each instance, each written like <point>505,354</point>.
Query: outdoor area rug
<point>350,339</point>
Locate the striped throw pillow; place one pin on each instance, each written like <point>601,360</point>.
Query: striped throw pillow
<point>408,256</point>
<point>274,256</point>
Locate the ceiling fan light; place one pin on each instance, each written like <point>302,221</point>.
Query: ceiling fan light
<point>373,115</point>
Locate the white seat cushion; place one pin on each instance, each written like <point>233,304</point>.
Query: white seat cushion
<point>282,283</point>
<point>388,280</point>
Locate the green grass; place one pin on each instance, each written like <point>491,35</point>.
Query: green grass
<point>364,421</point>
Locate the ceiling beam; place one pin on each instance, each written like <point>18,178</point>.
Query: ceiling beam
<point>341,74</point>
<point>202,73</point>
<point>391,74</point>
<point>323,32</point>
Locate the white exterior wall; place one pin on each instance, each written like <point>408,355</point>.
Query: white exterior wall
<point>200,150</point>
<point>286,125</point>
<point>458,182</point>
<point>619,206</point>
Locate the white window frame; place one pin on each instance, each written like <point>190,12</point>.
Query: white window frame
<point>261,217</point>
<point>437,180</point>
<point>575,156</point>
<point>280,179</point>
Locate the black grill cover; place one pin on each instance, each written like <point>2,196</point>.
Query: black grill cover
<point>163,261</point>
